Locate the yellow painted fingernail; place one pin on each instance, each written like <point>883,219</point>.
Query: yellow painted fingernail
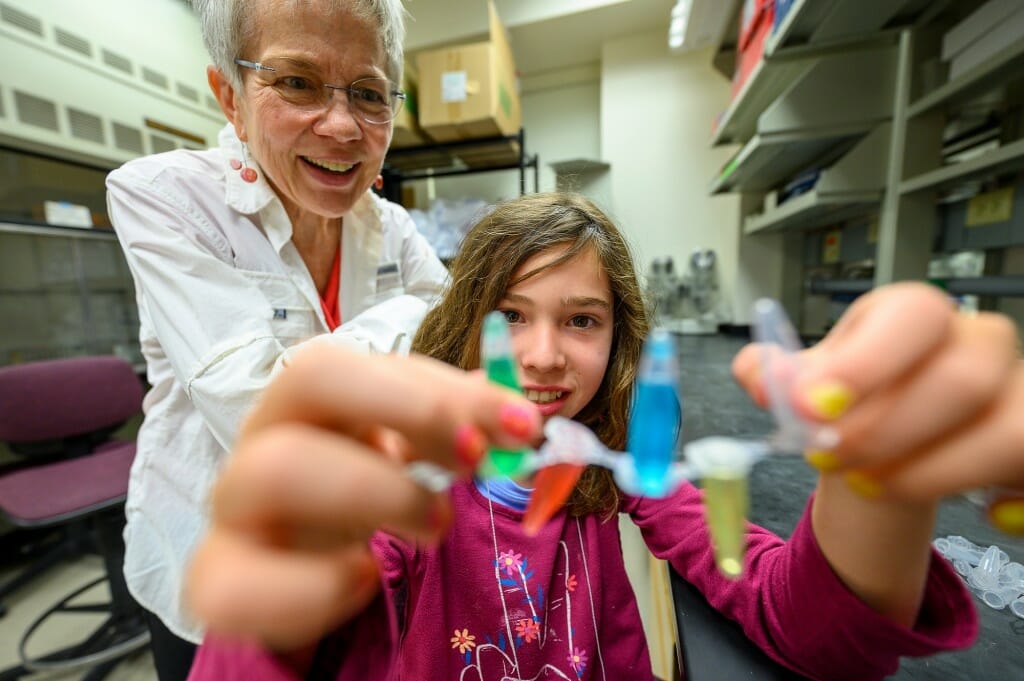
<point>826,462</point>
<point>864,485</point>
<point>830,400</point>
<point>1008,516</point>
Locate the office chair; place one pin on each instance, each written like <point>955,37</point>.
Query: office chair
<point>58,417</point>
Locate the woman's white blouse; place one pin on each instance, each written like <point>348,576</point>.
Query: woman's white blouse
<point>224,298</point>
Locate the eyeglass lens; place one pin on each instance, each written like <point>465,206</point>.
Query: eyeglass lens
<point>373,98</point>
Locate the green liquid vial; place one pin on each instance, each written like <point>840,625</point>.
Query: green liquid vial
<point>499,364</point>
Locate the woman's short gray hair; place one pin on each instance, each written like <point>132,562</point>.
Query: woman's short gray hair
<point>229,24</point>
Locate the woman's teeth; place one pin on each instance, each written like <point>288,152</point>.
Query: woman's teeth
<point>328,165</point>
<point>543,396</point>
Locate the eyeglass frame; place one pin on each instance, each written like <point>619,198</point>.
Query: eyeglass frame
<point>347,89</point>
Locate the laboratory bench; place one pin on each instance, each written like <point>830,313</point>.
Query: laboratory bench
<point>713,404</point>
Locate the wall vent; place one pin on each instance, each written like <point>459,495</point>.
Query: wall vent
<point>128,138</point>
<point>154,78</point>
<point>73,42</point>
<point>86,126</point>
<point>116,61</point>
<point>32,110</point>
<point>212,104</point>
<point>26,22</point>
<point>188,92</point>
<point>160,144</point>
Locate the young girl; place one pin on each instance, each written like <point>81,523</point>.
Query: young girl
<point>854,588</point>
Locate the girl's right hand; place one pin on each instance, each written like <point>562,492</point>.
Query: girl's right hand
<point>317,468</point>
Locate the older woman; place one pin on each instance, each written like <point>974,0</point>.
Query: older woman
<point>242,251</point>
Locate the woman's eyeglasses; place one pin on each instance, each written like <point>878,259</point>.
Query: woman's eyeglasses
<point>375,100</point>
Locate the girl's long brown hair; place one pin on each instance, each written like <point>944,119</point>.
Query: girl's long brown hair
<point>481,273</point>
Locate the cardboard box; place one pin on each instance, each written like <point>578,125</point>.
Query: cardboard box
<point>407,131</point>
<point>469,91</point>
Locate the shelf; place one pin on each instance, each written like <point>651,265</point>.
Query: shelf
<point>824,23</point>
<point>767,161</point>
<point>1000,68</point>
<point>1005,286</point>
<point>1006,158</point>
<point>766,82</point>
<point>813,209</point>
<point>811,31</point>
<point>44,229</point>
<point>827,286</point>
<point>491,152</point>
<point>578,166</point>
<point>1009,286</point>
<point>462,157</point>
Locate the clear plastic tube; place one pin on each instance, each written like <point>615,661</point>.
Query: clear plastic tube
<point>986,575</point>
<point>957,551</point>
<point>724,464</point>
<point>997,599</point>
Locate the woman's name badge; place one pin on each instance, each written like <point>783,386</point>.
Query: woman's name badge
<point>389,276</point>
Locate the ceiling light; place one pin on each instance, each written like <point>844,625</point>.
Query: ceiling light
<point>680,18</point>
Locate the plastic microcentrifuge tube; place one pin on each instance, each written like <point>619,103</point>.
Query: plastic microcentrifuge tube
<point>957,551</point>
<point>724,464</point>
<point>499,363</point>
<point>654,422</point>
<point>1017,607</point>
<point>1011,572</point>
<point>986,575</point>
<point>999,598</point>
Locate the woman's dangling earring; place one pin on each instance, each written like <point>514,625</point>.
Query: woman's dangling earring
<point>248,174</point>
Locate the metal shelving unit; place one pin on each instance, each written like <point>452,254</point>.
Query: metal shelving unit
<point>769,160</point>
<point>811,30</point>
<point>64,291</point>
<point>837,24</point>
<point>1004,159</point>
<point>464,157</point>
<point>881,166</point>
<point>1005,66</point>
<point>813,209</point>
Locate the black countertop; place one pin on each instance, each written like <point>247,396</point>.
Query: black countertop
<point>714,405</point>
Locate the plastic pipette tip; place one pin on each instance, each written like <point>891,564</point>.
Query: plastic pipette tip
<point>551,488</point>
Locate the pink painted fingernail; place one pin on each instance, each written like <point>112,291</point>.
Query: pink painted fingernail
<point>470,445</point>
<point>516,420</point>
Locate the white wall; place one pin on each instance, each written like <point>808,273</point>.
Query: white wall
<point>161,35</point>
<point>657,110</point>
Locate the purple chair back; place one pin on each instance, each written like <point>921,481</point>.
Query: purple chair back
<point>63,398</point>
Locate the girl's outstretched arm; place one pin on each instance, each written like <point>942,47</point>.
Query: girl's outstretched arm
<point>926,402</point>
<point>317,468</point>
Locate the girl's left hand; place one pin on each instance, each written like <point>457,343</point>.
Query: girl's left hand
<point>925,401</point>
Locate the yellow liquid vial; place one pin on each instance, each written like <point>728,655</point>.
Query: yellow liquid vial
<point>725,503</point>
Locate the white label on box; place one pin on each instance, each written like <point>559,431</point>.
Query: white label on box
<point>67,214</point>
<point>453,86</point>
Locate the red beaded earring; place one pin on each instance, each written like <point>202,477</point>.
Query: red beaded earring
<point>248,174</point>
